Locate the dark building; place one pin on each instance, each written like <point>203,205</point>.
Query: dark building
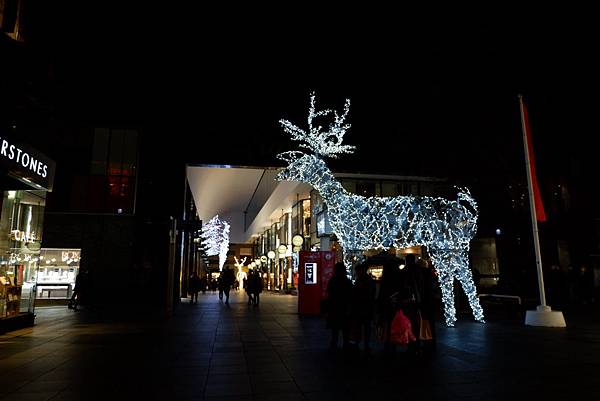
<point>26,171</point>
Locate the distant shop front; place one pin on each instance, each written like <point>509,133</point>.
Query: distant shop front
<point>26,175</point>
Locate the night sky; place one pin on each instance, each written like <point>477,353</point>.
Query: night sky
<point>435,96</point>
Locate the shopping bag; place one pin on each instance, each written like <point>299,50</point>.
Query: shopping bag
<point>401,332</point>
<point>425,330</point>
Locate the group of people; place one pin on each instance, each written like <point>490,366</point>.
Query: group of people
<point>224,283</point>
<point>401,310</point>
<point>196,284</point>
<point>253,285</point>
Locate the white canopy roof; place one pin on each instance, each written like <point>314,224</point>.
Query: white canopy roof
<point>230,191</point>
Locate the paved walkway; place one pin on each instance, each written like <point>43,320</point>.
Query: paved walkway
<point>209,351</point>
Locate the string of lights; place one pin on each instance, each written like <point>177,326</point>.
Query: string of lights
<point>444,226</point>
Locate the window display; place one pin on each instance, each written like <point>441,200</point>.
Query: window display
<point>21,221</point>
<point>57,271</point>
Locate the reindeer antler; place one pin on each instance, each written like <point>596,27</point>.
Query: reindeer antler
<point>328,143</point>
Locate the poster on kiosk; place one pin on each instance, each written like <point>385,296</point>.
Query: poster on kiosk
<point>315,270</point>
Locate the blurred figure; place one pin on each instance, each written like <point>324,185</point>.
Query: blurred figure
<point>412,292</point>
<point>339,290</point>
<point>362,305</point>
<point>256,285</point>
<point>227,279</point>
<point>203,284</point>
<point>79,290</point>
<point>194,287</point>
<point>388,300</point>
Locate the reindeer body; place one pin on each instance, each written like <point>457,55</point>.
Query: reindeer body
<point>361,223</point>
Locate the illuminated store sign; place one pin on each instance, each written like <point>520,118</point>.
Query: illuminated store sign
<point>17,235</point>
<point>27,164</point>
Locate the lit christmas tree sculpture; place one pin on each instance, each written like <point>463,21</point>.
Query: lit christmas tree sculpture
<point>444,226</point>
<point>215,235</point>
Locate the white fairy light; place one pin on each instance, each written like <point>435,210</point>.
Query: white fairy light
<point>215,235</point>
<point>241,275</point>
<point>323,144</point>
<point>444,226</point>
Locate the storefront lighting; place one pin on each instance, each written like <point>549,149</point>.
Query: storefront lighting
<point>444,226</point>
<point>297,240</point>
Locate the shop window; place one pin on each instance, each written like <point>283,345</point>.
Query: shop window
<point>410,188</point>
<point>367,188</point>
<point>21,223</point>
<point>349,185</point>
<point>389,189</point>
<point>58,268</point>
<point>113,170</point>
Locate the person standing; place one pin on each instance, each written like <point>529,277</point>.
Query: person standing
<point>203,284</point>
<point>363,305</point>
<point>194,287</point>
<point>388,300</point>
<point>339,291</point>
<point>257,287</point>
<point>427,307</point>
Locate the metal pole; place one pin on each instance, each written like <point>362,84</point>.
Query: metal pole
<point>536,240</point>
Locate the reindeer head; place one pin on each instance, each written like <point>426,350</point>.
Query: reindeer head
<point>302,166</point>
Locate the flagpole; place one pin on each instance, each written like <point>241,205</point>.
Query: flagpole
<point>543,315</point>
<point>536,237</point>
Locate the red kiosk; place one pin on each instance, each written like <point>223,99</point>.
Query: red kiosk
<point>314,272</point>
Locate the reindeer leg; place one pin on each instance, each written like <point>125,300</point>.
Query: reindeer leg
<point>447,286</point>
<point>465,277</point>
<point>446,280</point>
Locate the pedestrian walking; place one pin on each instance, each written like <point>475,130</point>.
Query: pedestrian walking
<point>227,278</point>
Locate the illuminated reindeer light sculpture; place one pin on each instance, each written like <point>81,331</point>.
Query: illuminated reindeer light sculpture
<point>444,226</point>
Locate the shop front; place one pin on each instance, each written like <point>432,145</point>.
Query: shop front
<point>25,176</point>
<point>57,270</point>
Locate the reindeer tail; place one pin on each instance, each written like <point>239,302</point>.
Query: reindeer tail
<point>465,195</point>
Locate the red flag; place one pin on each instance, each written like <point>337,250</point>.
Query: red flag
<point>539,206</point>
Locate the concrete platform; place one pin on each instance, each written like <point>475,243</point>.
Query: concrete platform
<point>210,351</point>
